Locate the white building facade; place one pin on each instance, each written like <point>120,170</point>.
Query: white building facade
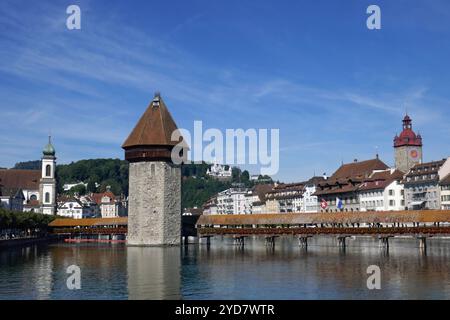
<point>232,201</point>
<point>73,208</point>
<point>383,191</point>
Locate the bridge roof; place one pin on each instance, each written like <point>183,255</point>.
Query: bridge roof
<point>313,218</point>
<point>61,223</point>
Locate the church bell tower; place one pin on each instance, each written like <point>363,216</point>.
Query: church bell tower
<point>154,209</point>
<point>47,187</point>
<point>408,147</point>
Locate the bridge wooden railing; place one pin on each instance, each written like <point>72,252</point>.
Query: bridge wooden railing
<point>386,231</point>
<point>119,230</point>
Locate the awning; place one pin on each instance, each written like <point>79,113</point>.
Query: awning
<point>417,203</point>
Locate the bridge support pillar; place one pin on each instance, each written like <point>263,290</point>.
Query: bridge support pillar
<point>423,243</point>
<point>205,239</point>
<point>342,242</point>
<point>239,241</point>
<point>384,243</point>
<point>303,242</point>
<point>270,241</point>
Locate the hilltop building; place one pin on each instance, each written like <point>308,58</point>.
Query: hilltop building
<point>408,147</point>
<point>220,172</point>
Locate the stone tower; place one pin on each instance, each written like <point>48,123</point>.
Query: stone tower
<point>47,186</point>
<point>408,147</point>
<point>154,211</point>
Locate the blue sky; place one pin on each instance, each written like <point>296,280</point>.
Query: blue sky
<point>335,89</point>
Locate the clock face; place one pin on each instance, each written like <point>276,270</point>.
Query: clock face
<point>414,154</point>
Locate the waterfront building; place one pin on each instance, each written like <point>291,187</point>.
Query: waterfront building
<point>445,192</point>
<point>383,191</point>
<point>38,186</point>
<point>219,172</point>
<point>27,181</point>
<point>285,198</point>
<point>340,193</point>
<point>256,198</point>
<point>154,206</point>
<point>232,201</point>
<point>310,199</point>
<point>408,147</point>
<point>210,207</point>
<point>422,190</point>
<point>109,205</point>
<point>11,199</point>
<point>75,209</point>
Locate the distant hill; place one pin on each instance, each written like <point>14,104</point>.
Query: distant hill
<point>197,187</point>
<point>28,165</point>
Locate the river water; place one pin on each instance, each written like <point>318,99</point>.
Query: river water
<point>323,271</point>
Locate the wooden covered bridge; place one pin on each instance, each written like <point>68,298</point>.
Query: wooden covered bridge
<point>383,225</point>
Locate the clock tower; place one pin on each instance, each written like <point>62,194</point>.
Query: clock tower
<point>408,147</point>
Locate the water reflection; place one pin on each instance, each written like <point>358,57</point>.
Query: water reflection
<point>153,273</point>
<point>225,271</point>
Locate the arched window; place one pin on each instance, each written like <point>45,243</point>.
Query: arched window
<point>47,197</point>
<point>48,171</point>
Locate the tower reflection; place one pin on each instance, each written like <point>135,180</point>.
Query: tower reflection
<point>153,273</point>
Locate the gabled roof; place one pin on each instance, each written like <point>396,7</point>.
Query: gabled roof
<point>97,197</point>
<point>261,190</point>
<point>361,169</point>
<point>11,192</point>
<point>23,179</point>
<point>445,181</point>
<point>380,180</point>
<point>154,128</point>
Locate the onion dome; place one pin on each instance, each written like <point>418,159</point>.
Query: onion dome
<point>49,149</point>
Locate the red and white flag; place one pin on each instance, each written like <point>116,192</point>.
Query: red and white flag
<point>324,204</point>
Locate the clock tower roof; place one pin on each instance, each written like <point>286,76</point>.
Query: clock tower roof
<point>408,137</point>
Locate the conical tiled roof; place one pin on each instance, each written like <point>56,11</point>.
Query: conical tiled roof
<point>155,127</point>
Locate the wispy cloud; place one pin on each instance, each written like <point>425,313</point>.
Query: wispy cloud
<point>89,86</point>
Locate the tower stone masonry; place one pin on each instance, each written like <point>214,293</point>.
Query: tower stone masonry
<point>154,212</point>
<point>408,147</point>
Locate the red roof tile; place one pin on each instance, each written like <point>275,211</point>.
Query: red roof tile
<point>23,179</point>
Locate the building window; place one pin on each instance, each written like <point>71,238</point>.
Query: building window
<point>33,197</point>
<point>48,171</point>
<point>47,197</point>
